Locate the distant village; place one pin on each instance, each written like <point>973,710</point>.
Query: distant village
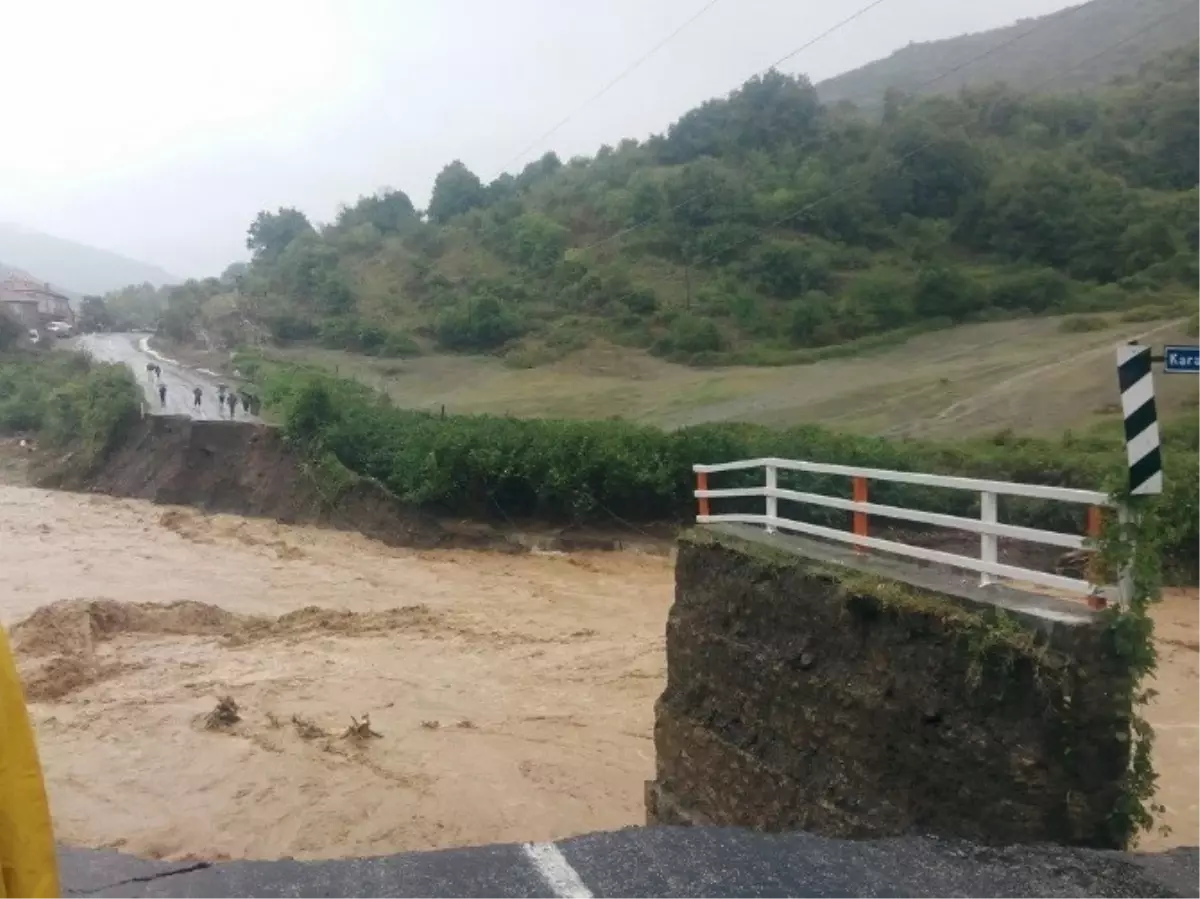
<point>35,304</point>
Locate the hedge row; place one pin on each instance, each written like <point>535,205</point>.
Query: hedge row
<point>67,399</point>
<point>615,471</point>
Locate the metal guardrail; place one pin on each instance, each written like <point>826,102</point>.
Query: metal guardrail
<point>989,528</point>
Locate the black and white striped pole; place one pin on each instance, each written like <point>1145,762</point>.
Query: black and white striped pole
<point>1143,445</point>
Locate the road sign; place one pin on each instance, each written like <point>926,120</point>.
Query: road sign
<point>1181,360</point>
<point>1142,441</point>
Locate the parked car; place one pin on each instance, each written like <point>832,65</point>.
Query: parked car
<point>59,329</point>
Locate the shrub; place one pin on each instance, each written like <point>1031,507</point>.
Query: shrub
<point>67,399</point>
<point>1081,324</point>
<point>477,325</point>
<point>1034,289</point>
<point>690,334</point>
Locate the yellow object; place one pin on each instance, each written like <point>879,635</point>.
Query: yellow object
<point>28,865</point>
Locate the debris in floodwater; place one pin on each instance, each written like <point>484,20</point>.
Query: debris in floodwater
<point>224,715</point>
<point>307,729</point>
<point>360,730</point>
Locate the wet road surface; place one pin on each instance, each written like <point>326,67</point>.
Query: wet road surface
<point>659,861</point>
<point>180,380</point>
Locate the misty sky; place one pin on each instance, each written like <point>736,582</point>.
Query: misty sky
<point>158,129</point>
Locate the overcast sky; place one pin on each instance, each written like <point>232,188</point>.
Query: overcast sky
<point>159,129</point>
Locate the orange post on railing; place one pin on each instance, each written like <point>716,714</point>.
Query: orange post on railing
<point>860,518</point>
<point>1093,521</point>
<point>702,484</point>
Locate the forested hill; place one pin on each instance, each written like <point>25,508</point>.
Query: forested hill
<point>757,228</point>
<point>1078,38</point>
<point>73,267</point>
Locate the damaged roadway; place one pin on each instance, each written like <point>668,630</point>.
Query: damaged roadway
<point>662,861</point>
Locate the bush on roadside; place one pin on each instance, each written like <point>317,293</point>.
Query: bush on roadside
<point>67,399</point>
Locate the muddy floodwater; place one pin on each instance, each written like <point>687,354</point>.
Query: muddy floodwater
<point>509,697</point>
<point>513,695</point>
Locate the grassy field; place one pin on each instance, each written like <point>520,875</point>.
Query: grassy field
<point>1031,376</point>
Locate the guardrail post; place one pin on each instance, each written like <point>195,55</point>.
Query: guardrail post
<point>860,518</point>
<point>1125,576</point>
<point>702,484</point>
<point>772,502</point>
<point>1094,529</point>
<point>988,543</point>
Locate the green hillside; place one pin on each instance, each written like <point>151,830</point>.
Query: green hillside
<point>760,228</point>
<point>1030,53</point>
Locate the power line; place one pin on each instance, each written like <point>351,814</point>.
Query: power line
<point>824,34</point>
<point>790,54</point>
<point>613,83</point>
<point>1125,40</point>
<point>906,156</point>
<point>859,181</point>
<point>928,144</point>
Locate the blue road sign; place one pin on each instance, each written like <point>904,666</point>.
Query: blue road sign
<point>1181,360</point>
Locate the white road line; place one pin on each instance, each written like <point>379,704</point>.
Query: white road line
<point>563,880</point>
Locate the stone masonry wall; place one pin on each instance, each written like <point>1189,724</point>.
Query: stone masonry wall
<point>804,695</point>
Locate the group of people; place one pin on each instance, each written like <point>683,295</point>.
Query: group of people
<point>225,397</point>
<point>228,398</point>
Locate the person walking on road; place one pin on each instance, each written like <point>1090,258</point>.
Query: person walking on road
<point>231,398</point>
<point>197,395</point>
<point>162,395</point>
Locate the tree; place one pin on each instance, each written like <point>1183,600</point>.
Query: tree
<point>390,211</point>
<point>927,170</point>
<point>479,324</point>
<point>12,331</point>
<point>948,292</point>
<point>788,270</point>
<point>94,315</point>
<point>538,242</point>
<point>271,233</point>
<point>234,274</point>
<point>766,112</point>
<point>539,170</point>
<point>456,190</point>
<point>812,321</point>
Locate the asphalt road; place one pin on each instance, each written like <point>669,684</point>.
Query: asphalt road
<point>180,380</point>
<point>659,861</point>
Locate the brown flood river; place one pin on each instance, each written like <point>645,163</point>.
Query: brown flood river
<point>513,695</point>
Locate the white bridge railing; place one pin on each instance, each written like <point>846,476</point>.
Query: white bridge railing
<point>989,528</point>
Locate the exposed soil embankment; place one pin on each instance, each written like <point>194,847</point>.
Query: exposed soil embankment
<point>249,469</point>
<point>244,469</point>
